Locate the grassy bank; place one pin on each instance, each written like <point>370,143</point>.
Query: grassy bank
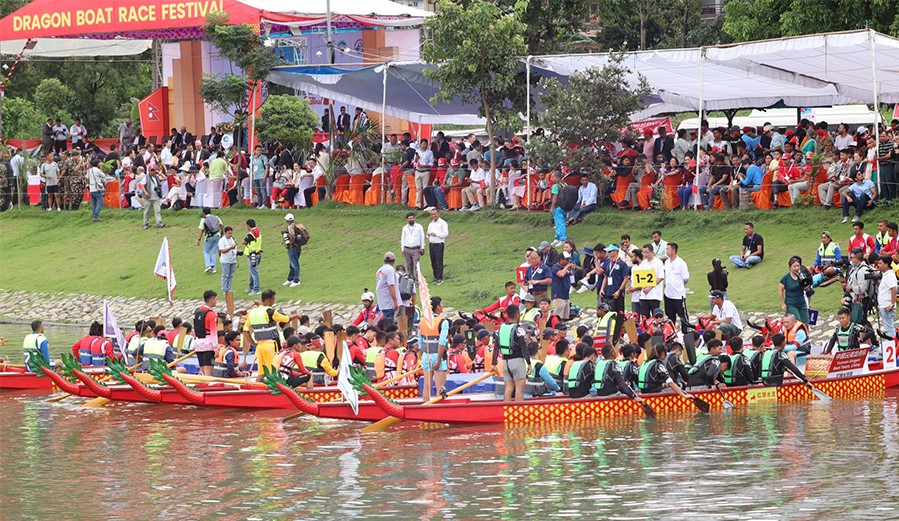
<point>66,252</point>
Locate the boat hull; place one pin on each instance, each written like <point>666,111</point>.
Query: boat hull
<point>264,399</point>
<point>566,411</point>
<point>17,380</point>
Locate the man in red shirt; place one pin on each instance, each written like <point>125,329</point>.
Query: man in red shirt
<point>860,239</point>
<point>206,327</point>
<point>787,174</point>
<point>290,363</point>
<point>357,351</point>
<point>391,355</point>
<point>511,297</point>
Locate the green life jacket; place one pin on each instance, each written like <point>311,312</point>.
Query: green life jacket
<point>601,376</point>
<point>843,338</point>
<point>699,362</point>
<point>264,328</point>
<point>536,366</point>
<point>312,360</point>
<point>554,364</point>
<point>573,372</point>
<point>768,363</point>
<point>530,315</point>
<point>622,364</point>
<point>829,252</point>
<point>729,373</point>
<point>505,338</point>
<point>643,375</point>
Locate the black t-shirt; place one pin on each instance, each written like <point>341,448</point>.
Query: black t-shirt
<point>409,157</point>
<point>720,172</point>
<point>113,156</point>
<point>752,242</point>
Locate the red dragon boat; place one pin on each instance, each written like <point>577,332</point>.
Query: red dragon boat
<point>566,410</point>
<point>21,379</point>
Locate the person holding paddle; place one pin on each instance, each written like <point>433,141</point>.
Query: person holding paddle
<point>432,339</point>
<point>607,379</point>
<point>512,342</point>
<point>653,375</point>
<point>775,363</point>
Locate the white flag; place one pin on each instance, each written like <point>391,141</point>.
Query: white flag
<point>343,380</point>
<point>111,330</point>
<point>164,269</point>
<point>424,296</point>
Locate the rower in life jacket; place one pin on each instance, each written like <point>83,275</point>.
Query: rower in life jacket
<point>653,377</point>
<point>390,356</point>
<point>775,362</point>
<point>707,371</point>
<point>797,337</point>
<point>35,343</point>
<point>457,360</point>
<point>608,326</point>
<point>156,348</point>
<point>607,377</point>
<point>262,329</point>
<point>674,364</point>
<point>531,312</point>
<point>290,363</point>
<point>543,382</point>
<point>357,345</point>
<point>137,341</point>
<point>739,367</point>
<point>628,365</point>
<point>315,360</point>
<point>580,378</point>
<point>92,349</point>
<point>227,358</point>
<point>410,362</point>
<point>481,354</point>
<point>848,335</point>
<point>555,363</point>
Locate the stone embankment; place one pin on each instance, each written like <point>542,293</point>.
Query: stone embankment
<point>57,308</point>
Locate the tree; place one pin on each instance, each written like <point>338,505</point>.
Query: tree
<point>21,120</point>
<point>552,25</point>
<point>475,49</point>
<point>590,110</point>
<point>650,24</point>
<point>53,98</point>
<point>761,19</point>
<point>287,119</point>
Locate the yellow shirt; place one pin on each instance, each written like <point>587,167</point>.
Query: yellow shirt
<point>265,349</point>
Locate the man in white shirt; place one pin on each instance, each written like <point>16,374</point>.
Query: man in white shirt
<point>96,181</point>
<point>843,139</point>
<point>676,277</point>
<point>166,155</point>
<point>886,296</point>
<point>659,247</point>
<point>424,160</point>
<point>227,247</point>
<point>725,316</point>
<point>586,200</point>
<point>18,167</point>
<point>651,296</point>
<point>413,243</point>
<point>60,133</point>
<point>437,233</point>
<point>473,195</point>
<point>386,287</point>
<point>78,133</point>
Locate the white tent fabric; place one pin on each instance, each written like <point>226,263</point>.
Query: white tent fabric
<point>408,91</point>
<point>804,71</point>
<point>313,12</point>
<point>70,47</point>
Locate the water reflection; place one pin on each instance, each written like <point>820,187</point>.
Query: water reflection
<point>141,461</point>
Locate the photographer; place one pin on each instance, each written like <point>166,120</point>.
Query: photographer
<point>792,290</point>
<point>253,250</point>
<point>150,185</point>
<point>848,335</point>
<point>886,296</point>
<point>295,236</point>
<point>858,287</point>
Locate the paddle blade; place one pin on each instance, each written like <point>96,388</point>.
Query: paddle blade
<point>293,417</point>
<point>97,402</point>
<point>821,395</point>
<point>701,404</point>
<point>728,405</point>
<point>59,398</point>
<point>648,410</point>
<point>381,425</point>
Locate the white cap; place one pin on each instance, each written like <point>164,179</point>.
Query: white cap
<point>368,295</point>
<point>185,167</point>
<point>862,129</point>
<point>288,217</point>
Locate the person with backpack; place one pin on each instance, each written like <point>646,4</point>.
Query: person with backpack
<point>210,228</point>
<point>206,325</point>
<point>295,237</point>
<point>563,201</point>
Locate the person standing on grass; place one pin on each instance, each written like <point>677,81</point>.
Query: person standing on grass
<point>295,236</point>
<point>227,248</point>
<point>253,251</point>
<point>211,229</point>
<point>49,172</point>
<point>412,241</point>
<point>258,167</point>
<point>437,234</point>
<point>96,180</point>
<point>150,185</point>
<point>558,213</point>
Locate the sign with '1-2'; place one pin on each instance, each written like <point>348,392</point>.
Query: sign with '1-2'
<point>644,278</point>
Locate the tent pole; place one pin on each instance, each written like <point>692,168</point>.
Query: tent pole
<point>384,131</point>
<point>527,66</point>
<point>876,107</point>
<point>701,107</point>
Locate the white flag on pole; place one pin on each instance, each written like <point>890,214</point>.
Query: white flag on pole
<point>164,269</point>
<point>111,330</point>
<point>343,380</point>
<point>425,296</point>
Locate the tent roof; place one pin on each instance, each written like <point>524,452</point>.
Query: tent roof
<point>805,71</point>
<point>408,91</point>
<point>313,12</point>
<point>69,47</point>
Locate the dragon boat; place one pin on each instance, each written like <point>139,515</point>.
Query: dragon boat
<point>564,411</point>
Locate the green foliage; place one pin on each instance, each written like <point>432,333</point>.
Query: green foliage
<point>287,119</point>
<point>552,25</point>
<point>53,97</point>
<point>761,19</point>
<point>589,111</point>
<point>21,120</point>
<point>651,24</point>
<point>225,92</point>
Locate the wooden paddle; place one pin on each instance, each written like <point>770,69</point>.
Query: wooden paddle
<point>728,405</point>
<point>630,328</point>
<point>647,410</point>
<point>391,420</point>
<point>821,395</point>
<point>100,401</point>
<point>376,386</point>
<point>196,378</point>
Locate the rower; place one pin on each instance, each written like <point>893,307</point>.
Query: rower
<point>674,364</point>
<point>775,362</point>
<point>531,312</point>
<point>540,373</point>
<point>356,346</point>
<point>608,326</point>
<point>392,355</point>
<point>482,341</point>
<point>754,354</point>
<point>579,381</point>
<point>628,366</point>
<point>512,342</point>
<point>653,375</point>
<point>555,363</point>
<point>227,358</point>
<point>290,363</point>
<point>847,334</point>
<point>607,377</point>
<point>457,360</point>
<point>82,348</point>
<point>797,337</point>
<point>707,371</point>
<point>155,348</point>
<point>432,339</point>
<point>261,329</point>
<point>314,360</point>
<point>410,359</point>
<point>137,341</point>
<point>36,343</point>
<point>739,367</point>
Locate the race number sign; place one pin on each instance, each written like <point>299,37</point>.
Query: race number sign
<point>520,273</point>
<point>644,278</point>
<point>848,363</point>
<point>889,354</point>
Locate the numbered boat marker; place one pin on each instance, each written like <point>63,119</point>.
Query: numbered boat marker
<point>644,278</point>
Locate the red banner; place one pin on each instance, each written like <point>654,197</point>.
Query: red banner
<point>42,18</point>
<point>848,363</point>
<point>154,114</point>
<point>652,124</point>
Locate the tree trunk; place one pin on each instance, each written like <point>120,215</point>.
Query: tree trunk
<point>644,14</point>
<point>491,176</point>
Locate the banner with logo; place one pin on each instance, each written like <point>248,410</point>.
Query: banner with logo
<point>848,363</point>
<point>154,114</point>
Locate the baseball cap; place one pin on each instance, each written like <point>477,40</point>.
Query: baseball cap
<point>441,162</point>
<point>657,312</point>
<point>303,330</point>
<point>561,326</point>
<point>549,333</point>
<point>716,293</point>
<point>458,339</point>
<point>544,245</point>
<point>294,340</point>
<point>412,342</point>
<point>612,247</point>
<point>862,129</point>
<point>389,256</point>
<point>528,298</point>
<point>483,333</point>
<point>288,217</point>
<point>566,255</point>
<point>454,162</point>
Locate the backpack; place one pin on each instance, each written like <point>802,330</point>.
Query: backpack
<point>406,287</point>
<point>300,238</point>
<point>567,198</point>
<point>212,225</point>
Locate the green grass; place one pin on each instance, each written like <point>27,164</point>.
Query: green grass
<point>67,253</point>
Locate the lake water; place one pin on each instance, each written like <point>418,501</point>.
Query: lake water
<point>144,461</point>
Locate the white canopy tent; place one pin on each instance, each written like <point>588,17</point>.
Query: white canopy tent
<point>71,47</point>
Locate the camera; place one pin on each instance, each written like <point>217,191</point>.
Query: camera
<point>873,275</point>
<point>286,237</point>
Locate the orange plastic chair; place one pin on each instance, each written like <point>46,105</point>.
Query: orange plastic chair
<point>410,181</point>
<point>762,198</point>
<point>669,194</point>
<point>319,183</point>
<point>355,194</point>
<point>620,189</point>
<point>644,196</point>
<point>112,199</point>
<point>821,177</point>
<point>373,195</point>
